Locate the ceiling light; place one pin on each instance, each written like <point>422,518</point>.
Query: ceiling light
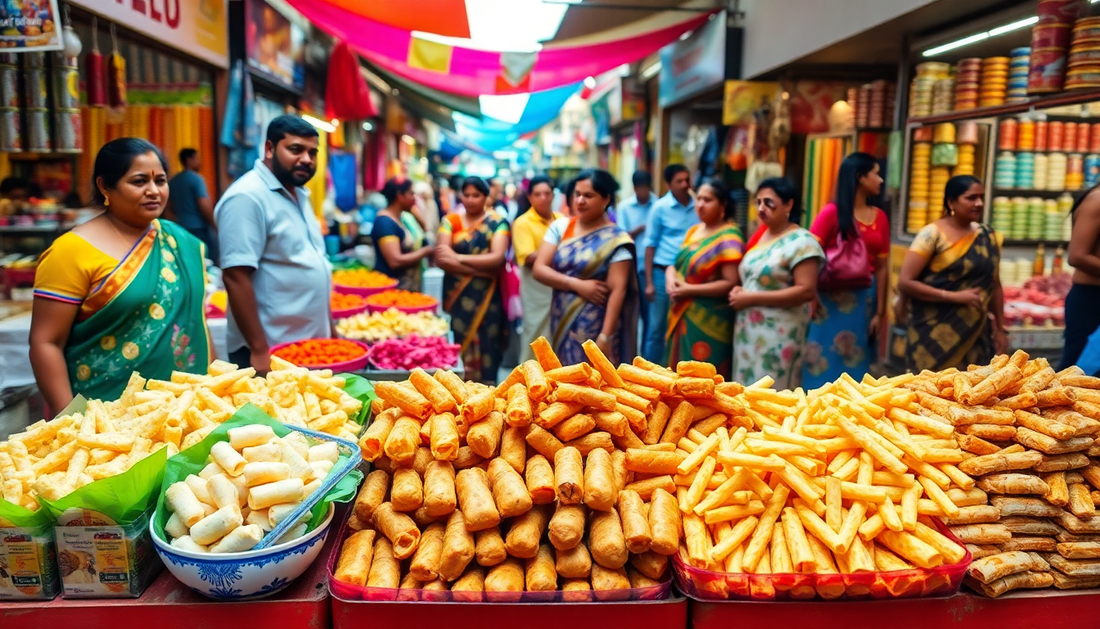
<point>651,71</point>
<point>317,123</point>
<point>368,126</point>
<point>977,37</point>
<point>590,82</point>
<point>1008,28</point>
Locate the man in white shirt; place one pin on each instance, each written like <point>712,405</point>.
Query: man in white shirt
<point>276,274</point>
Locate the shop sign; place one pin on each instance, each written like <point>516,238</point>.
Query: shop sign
<point>744,98</point>
<point>274,45</point>
<point>634,97</point>
<point>28,25</point>
<point>601,112</point>
<point>693,65</point>
<point>196,27</point>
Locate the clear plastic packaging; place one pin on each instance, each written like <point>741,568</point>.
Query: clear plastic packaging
<point>703,584</point>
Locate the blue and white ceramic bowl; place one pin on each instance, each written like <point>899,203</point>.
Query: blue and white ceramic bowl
<point>248,575</point>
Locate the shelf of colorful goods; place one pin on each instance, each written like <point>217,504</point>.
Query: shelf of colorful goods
<point>1049,609</point>
<point>1060,99</point>
<point>1027,192</point>
<point>1032,242</point>
<point>168,604</point>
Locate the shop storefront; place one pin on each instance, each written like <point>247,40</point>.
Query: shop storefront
<point>147,73</point>
<point>1017,112</point>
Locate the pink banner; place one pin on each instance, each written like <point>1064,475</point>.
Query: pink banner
<point>470,72</point>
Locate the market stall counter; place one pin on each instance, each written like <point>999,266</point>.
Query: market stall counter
<point>302,605</point>
<point>1050,610</point>
<point>667,614</point>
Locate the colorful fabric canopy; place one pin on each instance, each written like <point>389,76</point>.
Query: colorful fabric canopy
<point>472,72</point>
<point>488,134</point>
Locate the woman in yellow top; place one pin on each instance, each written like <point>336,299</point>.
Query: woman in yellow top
<point>122,292</point>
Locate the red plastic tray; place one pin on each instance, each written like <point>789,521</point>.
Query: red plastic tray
<point>1048,609</point>
<point>433,308</point>
<point>346,366</point>
<point>707,585</point>
<point>349,593</point>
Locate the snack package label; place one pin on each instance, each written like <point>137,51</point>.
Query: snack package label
<point>101,560</point>
<point>26,565</point>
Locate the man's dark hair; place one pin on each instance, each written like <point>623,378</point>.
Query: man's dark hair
<point>674,169</point>
<point>187,154</point>
<point>287,124</point>
<point>642,178</point>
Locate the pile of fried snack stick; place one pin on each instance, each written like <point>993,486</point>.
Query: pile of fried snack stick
<point>589,479</point>
<point>1029,434</point>
<point>54,458</point>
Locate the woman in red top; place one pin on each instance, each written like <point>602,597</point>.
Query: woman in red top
<point>845,321</point>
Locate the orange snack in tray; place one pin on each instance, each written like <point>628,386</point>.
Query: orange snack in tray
<point>317,352</point>
<point>345,301</point>
<point>361,278</point>
<point>401,298</point>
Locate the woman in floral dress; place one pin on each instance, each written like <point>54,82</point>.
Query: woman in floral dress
<point>778,284</point>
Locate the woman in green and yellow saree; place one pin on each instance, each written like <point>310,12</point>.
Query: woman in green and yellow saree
<point>121,293</point>
<point>700,321</point>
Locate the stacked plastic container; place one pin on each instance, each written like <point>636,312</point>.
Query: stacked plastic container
<point>1083,65</point>
<point>994,87</point>
<point>1017,74</point>
<point>919,182</point>
<point>920,93</point>
<point>967,81</point>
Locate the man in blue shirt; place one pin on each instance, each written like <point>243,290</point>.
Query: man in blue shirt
<point>669,219</point>
<point>190,204</point>
<point>632,216</point>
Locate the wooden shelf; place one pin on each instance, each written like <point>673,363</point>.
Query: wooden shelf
<point>1031,242</point>
<point>1022,192</point>
<point>1060,99</point>
<point>40,157</point>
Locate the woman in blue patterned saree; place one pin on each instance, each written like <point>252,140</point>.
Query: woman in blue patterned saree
<point>589,262</point>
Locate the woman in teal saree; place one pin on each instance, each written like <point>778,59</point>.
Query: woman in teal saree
<point>121,293</point>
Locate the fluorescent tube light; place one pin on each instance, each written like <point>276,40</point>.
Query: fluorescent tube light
<point>977,37</point>
<point>323,125</point>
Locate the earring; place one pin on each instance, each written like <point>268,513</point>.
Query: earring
<point>106,202</point>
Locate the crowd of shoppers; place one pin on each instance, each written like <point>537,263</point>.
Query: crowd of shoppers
<point>792,306</point>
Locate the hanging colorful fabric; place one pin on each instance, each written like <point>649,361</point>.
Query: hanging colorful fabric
<point>94,70</point>
<point>116,75</point>
<point>346,93</point>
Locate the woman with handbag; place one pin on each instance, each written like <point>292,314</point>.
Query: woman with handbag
<point>852,287</point>
<point>950,282</point>
<point>778,283</point>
